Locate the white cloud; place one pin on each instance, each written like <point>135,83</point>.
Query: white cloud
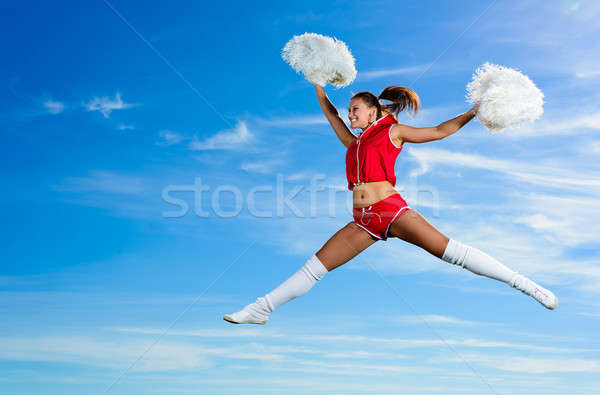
<point>68,298</point>
<point>126,127</point>
<point>424,165</point>
<point>563,219</point>
<point>355,340</point>
<point>332,384</point>
<point>434,319</point>
<point>111,354</point>
<point>588,74</point>
<point>298,176</point>
<point>371,75</point>
<point>236,139</point>
<point>103,181</point>
<point>555,177</point>
<point>363,368</point>
<point>431,116</point>
<point>169,138</point>
<point>582,274</point>
<point>301,120</point>
<point>264,167</point>
<point>106,106</point>
<point>574,124</point>
<point>167,355</point>
<point>595,315</point>
<point>538,222</point>
<point>54,107</point>
<point>229,332</point>
<point>589,147</point>
<point>535,365</point>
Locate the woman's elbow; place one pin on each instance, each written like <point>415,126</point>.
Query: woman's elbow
<point>426,138</point>
<point>439,134</point>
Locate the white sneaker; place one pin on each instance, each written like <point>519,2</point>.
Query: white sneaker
<point>541,294</point>
<point>254,313</point>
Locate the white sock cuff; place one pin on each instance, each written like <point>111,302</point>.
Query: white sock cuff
<point>478,262</point>
<point>455,252</point>
<point>316,267</point>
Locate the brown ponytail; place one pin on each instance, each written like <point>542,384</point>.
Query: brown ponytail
<point>402,98</point>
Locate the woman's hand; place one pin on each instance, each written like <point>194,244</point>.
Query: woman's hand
<point>474,109</point>
<point>319,89</point>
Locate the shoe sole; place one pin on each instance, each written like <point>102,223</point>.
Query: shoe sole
<point>229,319</point>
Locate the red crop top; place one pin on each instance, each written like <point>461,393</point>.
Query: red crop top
<point>371,157</point>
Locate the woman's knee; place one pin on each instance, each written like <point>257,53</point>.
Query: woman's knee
<point>344,245</point>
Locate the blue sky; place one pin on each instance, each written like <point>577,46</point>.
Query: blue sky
<point>105,121</point>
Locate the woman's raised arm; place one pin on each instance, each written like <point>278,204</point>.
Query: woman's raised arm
<point>403,133</point>
<point>338,125</point>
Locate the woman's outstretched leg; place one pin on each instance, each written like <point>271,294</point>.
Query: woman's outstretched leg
<point>412,227</point>
<point>344,245</point>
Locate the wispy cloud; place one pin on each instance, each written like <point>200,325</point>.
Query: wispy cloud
<point>103,181</point>
<point>357,340</point>
<point>230,139</point>
<point>595,315</point>
<point>169,355</point>
<point>169,138</point>
<point>573,30</point>
<point>75,299</point>
<point>106,105</point>
<point>535,365</point>
<point>589,147</point>
<point>301,120</point>
<point>111,354</point>
<point>588,74</point>
<point>54,107</point>
<point>583,274</point>
<point>264,167</point>
<point>574,124</point>
<point>569,225</point>
<point>434,319</point>
<point>299,176</point>
<point>373,74</point>
<point>125,127</point>
<point>347,353</point>
<point>555,177</point>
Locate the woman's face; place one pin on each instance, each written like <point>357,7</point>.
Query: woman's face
<point>359,115</point>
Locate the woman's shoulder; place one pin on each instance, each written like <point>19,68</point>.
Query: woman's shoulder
<point>395,134</point>
<point>390,117</point>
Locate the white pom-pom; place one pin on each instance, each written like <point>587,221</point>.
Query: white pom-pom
<point>321,59</point>
<point>508,97</point>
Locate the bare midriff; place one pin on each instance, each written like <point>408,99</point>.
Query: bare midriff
<point>366,194</point>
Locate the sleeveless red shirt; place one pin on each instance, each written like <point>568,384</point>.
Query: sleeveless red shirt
<point>372,156</point>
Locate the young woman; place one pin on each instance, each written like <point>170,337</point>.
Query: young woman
<point>378,209</point>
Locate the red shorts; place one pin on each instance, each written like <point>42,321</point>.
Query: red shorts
<point>377,218</point>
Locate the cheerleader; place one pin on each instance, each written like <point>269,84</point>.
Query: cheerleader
<point>379,211</point>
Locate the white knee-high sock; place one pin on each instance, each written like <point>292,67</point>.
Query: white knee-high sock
<point>477,261</point>
<point>297,285</point>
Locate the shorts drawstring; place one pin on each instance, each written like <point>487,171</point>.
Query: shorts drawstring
<point>366,212</point>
